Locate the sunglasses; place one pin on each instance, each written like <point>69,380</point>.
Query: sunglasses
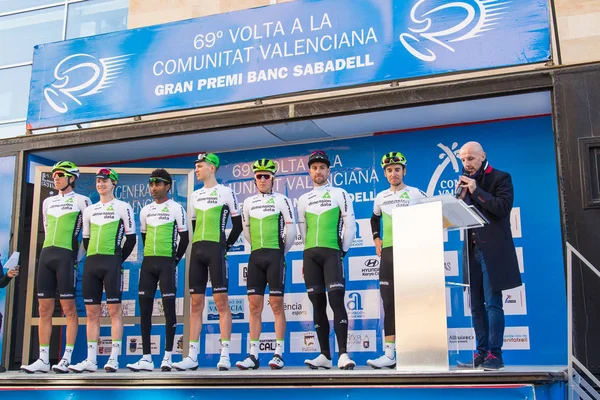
<point>103,171</point>
<point>59,174</point>
<point>393,160</point>
<point>319,152</point>
<point>158,180</point>
<point>265,177</point>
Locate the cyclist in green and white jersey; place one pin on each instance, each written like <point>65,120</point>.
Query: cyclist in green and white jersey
<point>105,224</point>
<point>270,229</point>
<point>57,267</point>
<point>327,226</point>
<point>164,228</point>
<point>398,195</point>
<point>213,204</point>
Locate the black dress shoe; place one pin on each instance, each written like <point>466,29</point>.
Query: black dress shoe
<point>2,369</point>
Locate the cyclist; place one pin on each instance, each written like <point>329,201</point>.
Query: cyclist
<point>270,229</point>
<point>213,204</point>
<point>57,267</point>
<point>104,226</point>
<point>398,195</point>
<point>162,222</point>
<point>327,226</point>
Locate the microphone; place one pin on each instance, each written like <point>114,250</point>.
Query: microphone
<point>459,189</point>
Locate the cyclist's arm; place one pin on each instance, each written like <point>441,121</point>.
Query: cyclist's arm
<point>184,235</point>
<point>236,219</point>
<point>45,206</point>
<point>301,219</point>
<point>85,234</point>
<point>83,203</point>
<point>246,220</point>
<point>347,209</point>
<point>286,210</point>
<point>376,219</point>
<point>130,237</point>
<point>143,215</point>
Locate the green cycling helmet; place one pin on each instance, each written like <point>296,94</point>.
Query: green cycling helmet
<point>264,164</point>
<point>394,157</point>
<point>107,173</point>
<point>67,167</point>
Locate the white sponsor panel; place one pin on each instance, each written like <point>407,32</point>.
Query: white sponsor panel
<point>304,342</point>
<point>361,304</point>
<point>448,302</point>
<point>178,344</point>
<point>514,301</point>
<point>243,274</point>
<point>128,308</point>
<point>467,302</point>
<point>365,268</point>
<point>159,311</point>
<point>516,338</point>
<point>213,343</point>
<point>134,345</point>
<point>237,304</point>
<point>297,307</point>
<point>105,346</point>
<point>266,344</point>
<point>360,341</point>
<point>297,271</point>
<point>461,339</point>
<point>515,222</point>
<point>519,251</point>
<point>451,266</point>
<point>298,244</point>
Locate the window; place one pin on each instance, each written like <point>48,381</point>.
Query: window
<point>14,92</point>
<point>20,32</point>
<point>15,5</point>
<point>589,152</point>
<point>11,130</point>
<point>96,17</point>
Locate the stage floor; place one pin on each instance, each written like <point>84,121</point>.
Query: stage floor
<point>292,376</point>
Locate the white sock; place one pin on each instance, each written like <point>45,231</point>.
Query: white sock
<point>68,352</point>
<point>147,357</point>
<point>390,350</point>
<point>116,349</point>
<point>279,347</point>
<point>45,353</point>
<point>225,348</point>
<point>254,348</point>
<point>168,355</point>
<point>194,348</point>
<point>92,351</point>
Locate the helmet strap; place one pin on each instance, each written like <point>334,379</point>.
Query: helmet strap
<point>69,183</point>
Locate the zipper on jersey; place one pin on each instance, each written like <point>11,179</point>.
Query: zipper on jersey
<point>203,223</point>
<point>98,238</point>
<point>261,234</point>
<point>317,235</point>
<point>155,240</point>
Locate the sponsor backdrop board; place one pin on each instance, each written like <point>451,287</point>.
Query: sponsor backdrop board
<point>7,177</point>
<point>496,392</point>
<point>433,167</point>
<point>272,51</point>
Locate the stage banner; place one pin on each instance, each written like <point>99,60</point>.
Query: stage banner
<point>433,167</point>
<point>489,392</point>
<point>7,177</point>
<point>276,50</point>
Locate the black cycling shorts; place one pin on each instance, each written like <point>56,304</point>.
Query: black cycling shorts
<point>208,256</point>
<point>386,269</point>
<point>56,270</point>
<point>102,271</point>
<point>266,266</point>
<point>155,270</point>
<point>323,267</point>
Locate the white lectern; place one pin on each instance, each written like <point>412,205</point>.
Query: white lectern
<point>419,279</point>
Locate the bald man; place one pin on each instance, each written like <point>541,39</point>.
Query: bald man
<point>492,260</point>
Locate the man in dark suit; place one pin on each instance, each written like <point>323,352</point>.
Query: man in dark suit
<point>492,260</point>
<point>4,281</point>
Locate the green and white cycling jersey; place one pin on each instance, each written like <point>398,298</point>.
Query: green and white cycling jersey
<point>268,222</point>
<point>162,223</point>
<point>326,218</point>
<point>386,201</point>
<point>212,207</point>
<point>106,224</point>
<point>63,217</point>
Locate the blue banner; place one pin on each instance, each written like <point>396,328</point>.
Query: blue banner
<point>490,392</point>
<point>433,166</point>
<point>7,177</point>
<point>276,50</point>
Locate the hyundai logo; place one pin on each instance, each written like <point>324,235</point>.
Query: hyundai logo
<point>371,262</point>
